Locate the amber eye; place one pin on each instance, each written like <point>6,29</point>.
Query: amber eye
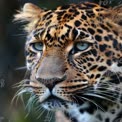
<point>82,46</point>
<point>38,46</point>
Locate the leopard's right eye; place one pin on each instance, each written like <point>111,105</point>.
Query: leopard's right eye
<point>37,46</point>
<point>81,46</point>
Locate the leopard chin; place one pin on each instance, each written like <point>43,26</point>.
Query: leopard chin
<point>53,103</point>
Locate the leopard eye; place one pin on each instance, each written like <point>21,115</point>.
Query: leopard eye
<point>82,46</point>
<point>38,46</point>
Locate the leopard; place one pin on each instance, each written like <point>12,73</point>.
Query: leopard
<point>74,60</point>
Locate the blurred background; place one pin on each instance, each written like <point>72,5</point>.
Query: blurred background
<point>12,40</point>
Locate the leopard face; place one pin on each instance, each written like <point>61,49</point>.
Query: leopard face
<point>70,51</point>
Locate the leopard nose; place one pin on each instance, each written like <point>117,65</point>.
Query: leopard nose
<point>51,71</point>
<point>50,83</point>
<point>51,67</point>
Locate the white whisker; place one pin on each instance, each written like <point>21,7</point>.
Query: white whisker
<point>99,96</point>
<point>87,99</point>
<point>21,68</point>
<point>41,113</point>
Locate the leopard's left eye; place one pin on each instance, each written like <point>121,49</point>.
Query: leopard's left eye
<point>81,46</point>
<point>38,46</point>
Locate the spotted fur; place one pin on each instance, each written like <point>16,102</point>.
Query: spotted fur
<point>85,83</point>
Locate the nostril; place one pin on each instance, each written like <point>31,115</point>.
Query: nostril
<point>50,83</point>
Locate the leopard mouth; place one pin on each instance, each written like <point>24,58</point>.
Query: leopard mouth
<point>52,98</point>
<point>49,99</point>
<point>53,103</point>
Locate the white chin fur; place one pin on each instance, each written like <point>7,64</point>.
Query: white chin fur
<point>115,68</point>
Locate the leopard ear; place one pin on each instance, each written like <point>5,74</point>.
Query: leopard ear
<point>115,15</point>
<point>28,13</point>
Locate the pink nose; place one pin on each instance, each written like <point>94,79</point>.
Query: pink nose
<point>51,67</point>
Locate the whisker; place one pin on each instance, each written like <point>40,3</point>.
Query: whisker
<point>21,68</point>
<point>99,96</point>
<point>112,88</point>
<point>22,35</point>
<point>107,95</point>
<point>106,84</point>
<point>51,116</point>
<point>47,118</point>
<point>17,95</point>
<point>98,106</point>
<point>38,108</point>
<point>43,110</point>
<point>20,92</point>
<point>91,90</point>
<point>75,99</point>
<point>20,84</point>
<point>117,77</point>
<point>101,91</point>
<point>30,102</point>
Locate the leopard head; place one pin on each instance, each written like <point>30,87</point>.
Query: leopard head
<point>70,51</point>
